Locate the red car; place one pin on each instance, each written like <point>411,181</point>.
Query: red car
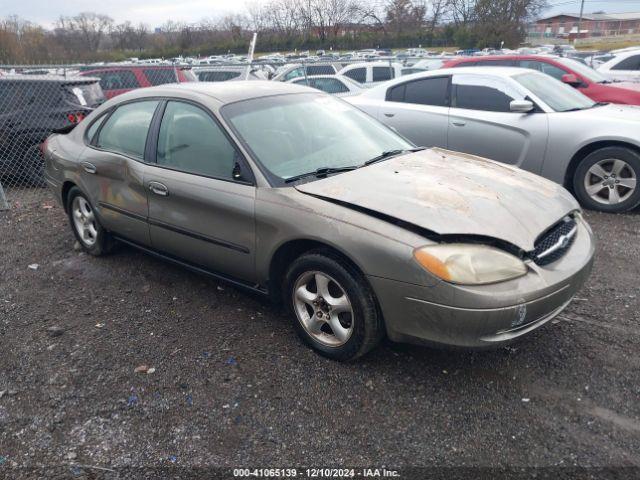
<point>567,70</point>
<point>116,79</point>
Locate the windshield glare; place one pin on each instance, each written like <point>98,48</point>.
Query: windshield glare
<point>559,96</point>
<point>582,70</point>
<point>295,134</point>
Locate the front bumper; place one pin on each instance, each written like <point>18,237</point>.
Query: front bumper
<point>488,315</point>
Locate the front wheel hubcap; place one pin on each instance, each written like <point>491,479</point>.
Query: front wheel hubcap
<point>84,221</point>
<point>323,308</point>
<point>610,181</point>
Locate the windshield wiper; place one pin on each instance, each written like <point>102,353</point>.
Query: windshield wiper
<point>321,172</point>
<point>391,153</point>
<point>599,104</point>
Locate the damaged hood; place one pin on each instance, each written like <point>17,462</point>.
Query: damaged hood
<point>452,193</point>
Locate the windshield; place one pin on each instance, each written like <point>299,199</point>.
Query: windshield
<point>295,134</point>
<point>583,70</point>
<point>559,96</point>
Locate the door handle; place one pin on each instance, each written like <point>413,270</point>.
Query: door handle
<point>390,115</point>
<point>89,167</point>
<point>459,123</point>
<point>159,188</point>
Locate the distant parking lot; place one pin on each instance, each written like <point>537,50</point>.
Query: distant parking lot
<point>228,383</point>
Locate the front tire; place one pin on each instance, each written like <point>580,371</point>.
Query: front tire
<point>606,180</point>
<point>93,238</point>
<point>335,310</point>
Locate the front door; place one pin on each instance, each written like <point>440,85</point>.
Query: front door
<point>201,208</point>
<point>482,123</point>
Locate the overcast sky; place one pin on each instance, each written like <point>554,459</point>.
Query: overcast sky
<point>156,12</point>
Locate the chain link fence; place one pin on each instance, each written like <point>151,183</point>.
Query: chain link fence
<point>37,100</point>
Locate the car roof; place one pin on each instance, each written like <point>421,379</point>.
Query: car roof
<point>531,56</point>
<point>481,70</point>
<point>493,71</point>
<point>379,63</point>
<point>626,54</point>
<point>229,92</point>
<point>46,78</point>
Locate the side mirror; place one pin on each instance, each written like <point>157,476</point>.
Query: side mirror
<point>571,79</point>
<point>521,106</point>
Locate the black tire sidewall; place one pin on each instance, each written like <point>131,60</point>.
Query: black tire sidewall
<point>367,327</point>
<point>102,241</point>
<point>622,153</point>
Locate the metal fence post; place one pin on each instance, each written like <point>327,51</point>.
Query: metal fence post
<point>4,205</point>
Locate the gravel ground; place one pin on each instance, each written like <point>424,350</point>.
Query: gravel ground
<point>233,386</point>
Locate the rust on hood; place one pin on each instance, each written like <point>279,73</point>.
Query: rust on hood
<point>452,193</point>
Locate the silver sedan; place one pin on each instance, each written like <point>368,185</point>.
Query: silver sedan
<point>522,118</point>
<point>298,196</point>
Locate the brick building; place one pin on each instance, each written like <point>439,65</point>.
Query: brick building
<point>593,25</point>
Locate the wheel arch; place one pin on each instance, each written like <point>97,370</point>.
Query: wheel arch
<point>64,193</point>
<point>288,251</point>
<point>587,150</point>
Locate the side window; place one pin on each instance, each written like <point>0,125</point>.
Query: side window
<point>428,91</point>
<point>160,76</point>
<point>631,63</point>
<point>543,67</point>
<point>126,130</point>
<point>396,94</point>
<point>330,85</point>
<point>494,63</point>
<point>117,80</point>
<point>320,70</point>
<point>91,131</point>
<point>382,74</point>
<point>477,92</point>
<point>12,97</point>
<point>357,74</point>
<point>191,141</point>
<point>217,76</point>
<point>295,73</point>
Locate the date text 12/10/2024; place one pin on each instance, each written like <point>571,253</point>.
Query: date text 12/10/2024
<point>315,473</point>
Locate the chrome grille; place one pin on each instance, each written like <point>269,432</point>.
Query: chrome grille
<point>556,242</point>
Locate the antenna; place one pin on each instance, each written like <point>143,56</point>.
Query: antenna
<point>252,49</point>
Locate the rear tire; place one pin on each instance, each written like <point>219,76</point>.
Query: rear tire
<point>607,180</point>
<point>93,238</point>
<point>334,309</point>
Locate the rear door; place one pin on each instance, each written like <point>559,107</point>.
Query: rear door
<point>419,110</point>
<point>481,122</point>
<point>201,193</point>
<point>112,168</point>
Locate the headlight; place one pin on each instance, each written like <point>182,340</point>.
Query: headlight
<point>469,264</point>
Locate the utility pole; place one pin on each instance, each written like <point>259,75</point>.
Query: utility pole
<point>579,21</point>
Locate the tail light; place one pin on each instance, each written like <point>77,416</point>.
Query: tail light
<point>75,117</point>
<point>43,146</point>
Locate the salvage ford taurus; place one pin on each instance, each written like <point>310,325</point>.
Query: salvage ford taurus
<point>294,194</point>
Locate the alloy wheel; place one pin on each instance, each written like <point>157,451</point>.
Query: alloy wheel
<point>84,221</point>
<point>610,181</point>
<point>323,308</point>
